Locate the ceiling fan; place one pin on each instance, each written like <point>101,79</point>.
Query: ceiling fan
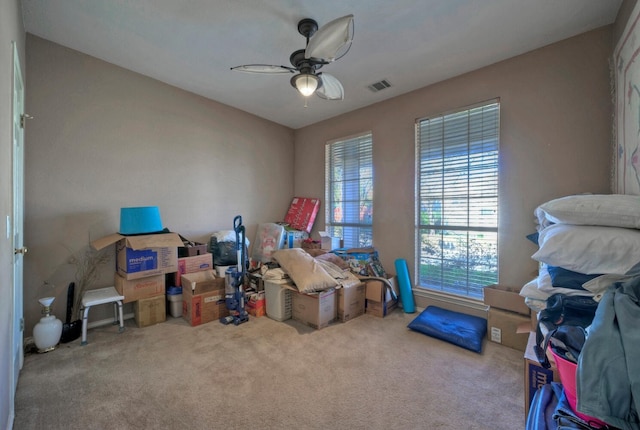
<point>324,45</point>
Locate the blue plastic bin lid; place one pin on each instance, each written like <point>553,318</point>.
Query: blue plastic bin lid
<point>140,220</point>
<point>173,291</point>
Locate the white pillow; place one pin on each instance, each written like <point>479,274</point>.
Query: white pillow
<point>304,270</point>
<point>589,249</point>
<point>612,210</point>
<point>599,285</point>
<point>530,290</point>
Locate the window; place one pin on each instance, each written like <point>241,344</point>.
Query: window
<point>349,190</point>
<point>457,200</point>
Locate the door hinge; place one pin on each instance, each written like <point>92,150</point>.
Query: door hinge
<point>21,324</point>
<point>24,117</point>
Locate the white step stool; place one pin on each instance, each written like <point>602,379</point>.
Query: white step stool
<point>101,296</point>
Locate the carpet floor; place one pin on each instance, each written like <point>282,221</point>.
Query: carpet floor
<point>367,373</point>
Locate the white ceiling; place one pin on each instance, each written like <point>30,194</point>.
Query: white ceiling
<point>192,44</point>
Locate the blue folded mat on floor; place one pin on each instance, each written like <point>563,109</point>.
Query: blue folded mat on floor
<point>466,331</point>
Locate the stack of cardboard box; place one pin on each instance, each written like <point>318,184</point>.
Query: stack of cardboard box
<point>510,319</point>
<point>141,265</point>
<point>299,219</point>
<point>146,264</point>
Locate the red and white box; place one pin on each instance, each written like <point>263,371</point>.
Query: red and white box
<point>302,213</point>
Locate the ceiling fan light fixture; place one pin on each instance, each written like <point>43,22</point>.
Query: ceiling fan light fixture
<point>305,83</point>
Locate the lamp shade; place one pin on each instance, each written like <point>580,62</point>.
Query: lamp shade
<point>140,220</point>
<point>305,83</point>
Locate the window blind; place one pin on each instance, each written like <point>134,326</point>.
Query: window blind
<point>349,190</point>
<point>457,200</point>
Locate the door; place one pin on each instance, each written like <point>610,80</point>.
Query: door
<point>17,229</point>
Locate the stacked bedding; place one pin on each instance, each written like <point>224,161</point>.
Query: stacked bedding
<point>586,243</point>
<point>311,274</point>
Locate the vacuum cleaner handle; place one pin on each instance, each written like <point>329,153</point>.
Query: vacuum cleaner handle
<point>240,243</point>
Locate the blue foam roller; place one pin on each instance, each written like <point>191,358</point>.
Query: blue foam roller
<point>406,295</point>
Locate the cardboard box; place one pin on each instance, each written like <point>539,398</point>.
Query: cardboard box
<point>377,291</point>
<point>378,309</point>
<point>379,301</point>
<point>506,298</point>
<point>327,242</point>
<point>143,255</point>
<point>535,376</point>
<point>201,282</point>
<point>256,304</point>
<point>310,244</point>
<point>150,311</point>
<point>255,281</point>
<point>193,250</point>
<point>316,310</point>
<point>192,264</point>
<point>294,238</point>
<point>137,289</point>
<point>203,297</point>
<point>351,302</point>
<point>302,213</point>
<point>502,328</point>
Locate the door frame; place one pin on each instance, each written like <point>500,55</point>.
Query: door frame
<point>17,323</point>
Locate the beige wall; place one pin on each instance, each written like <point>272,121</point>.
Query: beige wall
<point>555,140</point>
<point>105,138</point>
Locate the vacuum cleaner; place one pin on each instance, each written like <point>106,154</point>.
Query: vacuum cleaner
<point>235,297</point>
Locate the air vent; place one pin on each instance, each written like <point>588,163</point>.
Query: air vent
<point>379,86</point>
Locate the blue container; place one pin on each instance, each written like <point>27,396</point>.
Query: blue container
<point>174,300</point>
<point>140,220</point>
<point>173,291</point>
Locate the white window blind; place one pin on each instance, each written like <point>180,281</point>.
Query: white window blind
<point>349,190</point>
<point>457,200</point>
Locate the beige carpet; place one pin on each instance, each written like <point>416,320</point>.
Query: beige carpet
<point>368,373</point>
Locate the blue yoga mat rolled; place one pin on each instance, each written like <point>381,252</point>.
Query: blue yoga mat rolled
<point>404,283</point>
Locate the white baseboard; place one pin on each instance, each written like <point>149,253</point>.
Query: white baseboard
<point>424,298</point>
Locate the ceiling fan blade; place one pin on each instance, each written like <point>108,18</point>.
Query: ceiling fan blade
<point>332,40</point>
<point>263,69</point>
<point>331,88</point>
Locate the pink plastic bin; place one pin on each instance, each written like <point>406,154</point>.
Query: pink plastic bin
<point>567,370</point>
